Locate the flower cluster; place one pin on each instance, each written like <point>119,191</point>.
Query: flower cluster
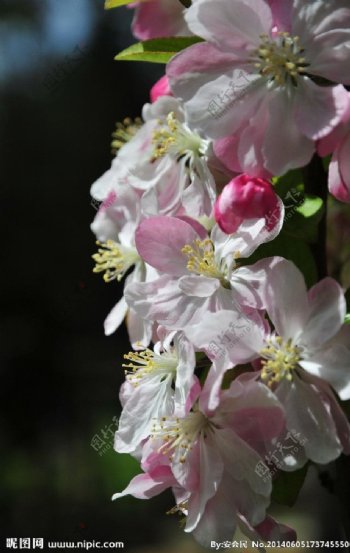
<point>235,363</point>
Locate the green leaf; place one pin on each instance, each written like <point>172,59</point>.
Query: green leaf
<point>294,249</point>
<point>347,319</point>
<point>117,3</point>
<point>158,50</point>
<point>287,485</point>
<point>302,220</point>
<point>290,182</point>
<point>312,206</point>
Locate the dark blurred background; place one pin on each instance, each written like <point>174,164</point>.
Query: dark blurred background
<point>61,93</point>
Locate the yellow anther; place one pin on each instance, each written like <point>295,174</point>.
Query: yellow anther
<point>175,139</point>
<point>124,132</point>
<point>279,59</point>
<point>143,363</point>
<point>279,360</point>
<point>201,259</point>
<point>113,260</point>
<point>180,434</point>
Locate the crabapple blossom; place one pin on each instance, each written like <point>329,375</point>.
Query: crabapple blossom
<point>209,458</point>
<point>114,226</point>
<point>199,274</point>
<point>148,390</point>
<point>165,161</point>
<point>250,74</point>
<point>308,350</point>
<point>244,358</point>
<point>246,197</point>
<point>160,88</point>
<point>338,144</point>
<point>158,18</point>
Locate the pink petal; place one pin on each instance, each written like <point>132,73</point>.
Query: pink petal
<point>251,142</point>
<point>210,471</point>
<point>253,412</point>
<point>201,231</point>
<point>270,529</point>
<point>324,31</point>
<point>159,241</point>
<point>231,26</point>
<point>160,88</point>
<point>218,522</point>
<point>335,182</point>
<point>330,142</point>
<point>225,150</point>
<point>241,460</point>
<point>319,109</point>
<point>145,486</point>
<point>282,14</point>
<point>158,18</point>
<point>219,94</point>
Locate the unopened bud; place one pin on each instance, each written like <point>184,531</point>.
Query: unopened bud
<point>245,197</point>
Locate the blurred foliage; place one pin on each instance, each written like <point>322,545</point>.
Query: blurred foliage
<point>158,50</point>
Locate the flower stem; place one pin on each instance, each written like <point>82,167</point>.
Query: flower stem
<point>315,180</point>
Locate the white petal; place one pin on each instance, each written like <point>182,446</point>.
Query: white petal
<point>241,460</point>
<point>333,365</point>
<point>231,26</point>
<point>327,312</point>
<point>227,333</point>
<point>319,109</point>
<point>116,317</point>
<point>308,415</point>
<point>284,147</point>
<point>152,399</point>
<point>286,298</point>
<point>199,286</point>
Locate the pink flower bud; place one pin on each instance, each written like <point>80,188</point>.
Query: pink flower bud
<point>161,88</point>
<point>246,197</point>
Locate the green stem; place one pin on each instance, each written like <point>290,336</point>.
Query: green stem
<point>316,183</point>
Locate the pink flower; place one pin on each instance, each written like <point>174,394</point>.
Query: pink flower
<point>243,198</point>
<point>160,88</point>
<point>158,383</point>
<point>211,460</point>
<point>199,274</point>
<point>114,226</point>
<point>250,78</point>
<point>165,161</point>
<point>308,350</point>
<point>158,18</point>
<point>338,143</point>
